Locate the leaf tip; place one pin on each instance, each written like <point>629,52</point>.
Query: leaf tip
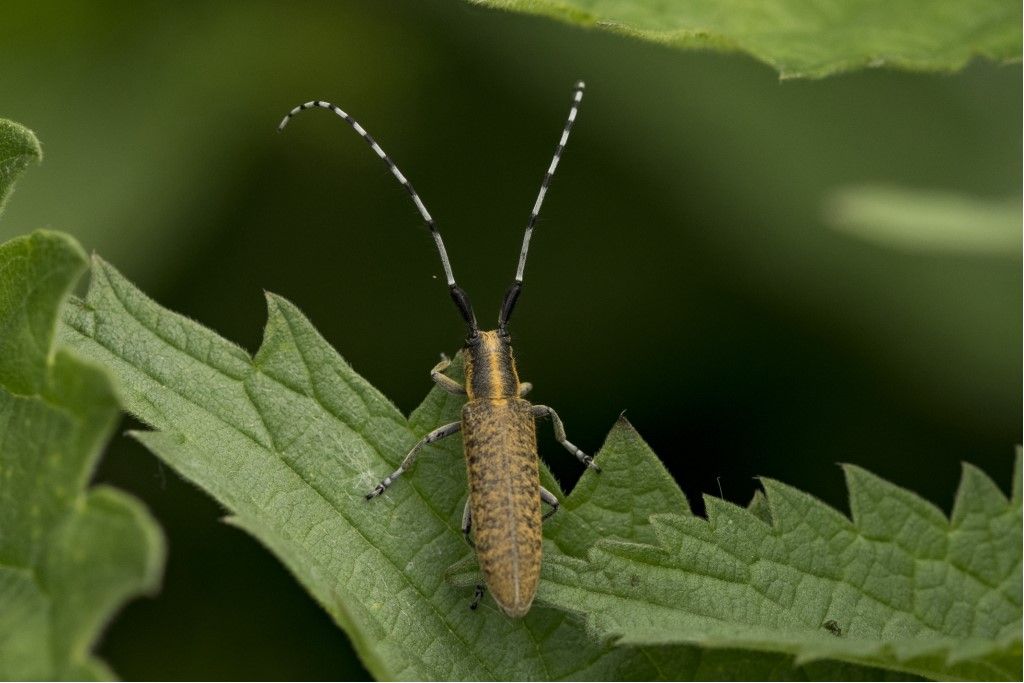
<point>100,268</point>
<point>758,506</point>
<point>279,306</point>
<point>142,555</point>
<point>19,146</point>
<point>976,489</point>
<point>72,245</point>
<point>854,475</point>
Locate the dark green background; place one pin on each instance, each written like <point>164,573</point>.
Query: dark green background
<point>682,268</point>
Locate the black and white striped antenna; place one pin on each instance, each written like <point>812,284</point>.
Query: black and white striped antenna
<point>458,295</point>
<point>517,285</point>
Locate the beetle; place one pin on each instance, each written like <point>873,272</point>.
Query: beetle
<point>503,508</point>
<point>833,627</point>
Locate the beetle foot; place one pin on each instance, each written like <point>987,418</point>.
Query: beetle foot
<point>477,596</point>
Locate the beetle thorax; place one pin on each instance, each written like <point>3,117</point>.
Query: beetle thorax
<point>490,367</point>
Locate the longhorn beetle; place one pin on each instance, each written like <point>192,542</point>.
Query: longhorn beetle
<point>498,430</point>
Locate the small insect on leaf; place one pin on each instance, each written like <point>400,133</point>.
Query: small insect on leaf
<point>498,424</point>
<point>833,627</point>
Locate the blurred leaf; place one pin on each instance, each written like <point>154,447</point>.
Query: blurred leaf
<point>804,39</point>
<point>18,147</point>
<point>291,439</point>
<point>69,556</point>
<point>932,221</point>
<point>36,273</point>
<point>908,588</point>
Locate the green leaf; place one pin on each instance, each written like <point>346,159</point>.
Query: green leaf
<point>18,147</point>
<point>906,588</point>
<point>927,221</point>
<point>290,440</point>
<point>809,39</point>
<point>69,556</point>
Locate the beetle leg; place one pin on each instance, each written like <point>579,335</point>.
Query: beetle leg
<point>444,381</point>
<point>525,388</point>
<point>550,499</point>
<point>467,524</point>
<point>436,435</point>
<point>556,422</point>
<point>478,595</point>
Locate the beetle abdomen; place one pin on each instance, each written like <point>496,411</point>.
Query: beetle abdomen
<point>500,441</point>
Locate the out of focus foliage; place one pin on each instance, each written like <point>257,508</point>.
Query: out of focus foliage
<point>928,221</point>
<point>803,39</point>
<point>70,555</point>
<point>18,148</point>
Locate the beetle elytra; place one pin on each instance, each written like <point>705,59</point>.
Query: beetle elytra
<point>503,508</point>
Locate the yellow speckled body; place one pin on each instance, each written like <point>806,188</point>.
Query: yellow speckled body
<point>497,424</point>
<point>500,443</point>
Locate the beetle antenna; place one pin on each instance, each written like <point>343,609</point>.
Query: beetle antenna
<point>517,285</point>
<point>457,293</point>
